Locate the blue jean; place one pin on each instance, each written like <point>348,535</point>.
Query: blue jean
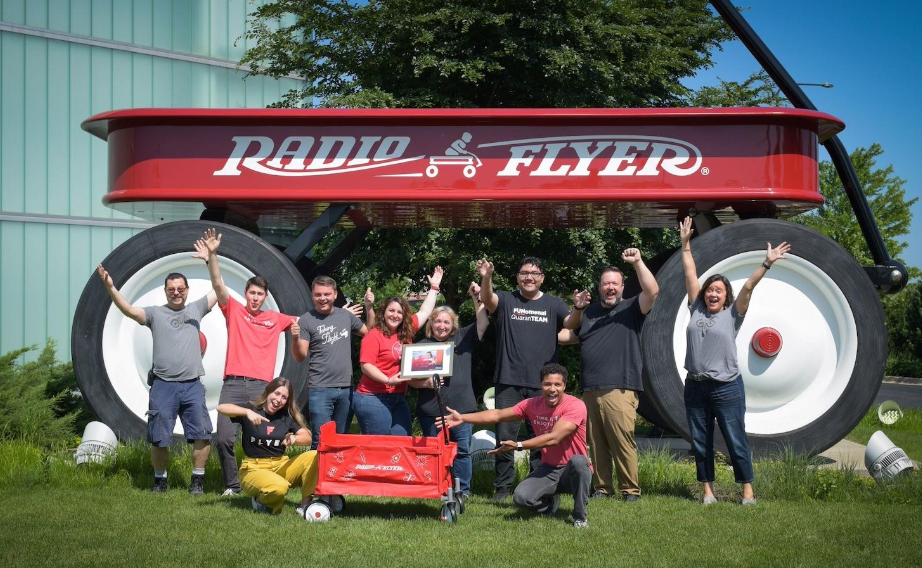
<point>327,404</point>
<point>383,414</point>
<point>460,434</point>
<point>706,401</point>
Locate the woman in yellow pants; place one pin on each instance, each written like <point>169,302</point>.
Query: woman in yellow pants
<point>270,424</point>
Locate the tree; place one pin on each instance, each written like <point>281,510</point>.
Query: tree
<point>485,53</point>
<point>757,90</point>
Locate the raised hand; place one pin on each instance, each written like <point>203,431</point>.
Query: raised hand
<point>474,291</point>
<point>356,309</point>
<point>685,230</point>
<point>212,240</point>
<point>777,253</point>
<point>631,256</point>
<point>581,299</point>
<point>201,250</point>
<point>295,330</point>
<point>104,276</point>
<point>484,268</point>
<point>369,298</point>
<point>436,277</point>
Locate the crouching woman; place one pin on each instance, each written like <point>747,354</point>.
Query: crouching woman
<point>270,425</point>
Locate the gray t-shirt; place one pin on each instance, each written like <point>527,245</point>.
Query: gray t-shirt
<point>330,338</point>
<point>177,351</point>
<point>712,342</point>
<point>610,356</point>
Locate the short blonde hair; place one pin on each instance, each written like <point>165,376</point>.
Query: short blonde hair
<point>435,313</point>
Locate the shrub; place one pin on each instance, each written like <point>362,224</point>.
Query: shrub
<point>27,411</point>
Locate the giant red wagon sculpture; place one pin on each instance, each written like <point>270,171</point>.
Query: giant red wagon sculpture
<point>812,357</point>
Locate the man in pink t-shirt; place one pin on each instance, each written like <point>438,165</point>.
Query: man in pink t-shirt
<point>252,350</point>
<point>559,423</point>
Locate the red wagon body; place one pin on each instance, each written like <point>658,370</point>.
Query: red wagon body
<point>384,466</point>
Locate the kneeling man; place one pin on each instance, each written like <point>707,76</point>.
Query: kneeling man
<point>559,422</point>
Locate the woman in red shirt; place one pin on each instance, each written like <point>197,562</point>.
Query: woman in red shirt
<point>380,401</point>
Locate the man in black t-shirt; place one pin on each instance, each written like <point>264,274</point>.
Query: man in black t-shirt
<point>527,323</point>
<point>611,374</point>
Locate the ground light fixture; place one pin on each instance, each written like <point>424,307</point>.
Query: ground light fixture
<point>884,460</point>
<point>482,442</point>
<point>889,412</point>
<point>98,441</point>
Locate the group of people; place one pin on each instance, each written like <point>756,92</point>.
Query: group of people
<point>563,431</point>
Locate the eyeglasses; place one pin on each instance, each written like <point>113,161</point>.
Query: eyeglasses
<point>179,290</point>
<point>523,274</point>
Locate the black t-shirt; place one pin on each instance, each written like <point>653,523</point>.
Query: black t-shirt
<point>526,337</point>
<point>265,440</point>
<point>610,356</point>
<point>458,392</point>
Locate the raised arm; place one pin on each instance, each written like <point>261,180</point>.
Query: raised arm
<point>771,255</point>
<point>206,248</point>
<point>649,289</point>
<point>581,299</point>
<point>483,320</point>
<point>429,303</point>
<point>692,286</point>
<point>369,311</point>
<point>133,312</point>
<point>487,296</point>
<point>299,347</point>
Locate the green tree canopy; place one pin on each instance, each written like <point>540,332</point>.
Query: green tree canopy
<point>486,53</point>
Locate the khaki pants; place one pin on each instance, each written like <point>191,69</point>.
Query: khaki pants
<point>610,429</point>
<point>269,479</point>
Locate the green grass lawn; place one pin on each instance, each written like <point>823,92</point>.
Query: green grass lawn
<point>906,433</point>
<point>102,515</point>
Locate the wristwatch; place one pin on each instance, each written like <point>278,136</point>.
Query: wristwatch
<point>519,446</point>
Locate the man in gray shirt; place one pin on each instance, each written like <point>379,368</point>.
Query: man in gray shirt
<point>326,334</point>
<point>176,388</point>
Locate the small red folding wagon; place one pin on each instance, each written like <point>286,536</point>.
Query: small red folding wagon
<point>384,466</point>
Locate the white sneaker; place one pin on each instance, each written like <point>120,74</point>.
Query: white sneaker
<point>577,524</point>
<point>230,492</point>
<point>259,507</point>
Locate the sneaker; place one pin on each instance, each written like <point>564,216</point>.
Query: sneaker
<point>160,485</point>
<point>552,509</point>
<point>259,507</point>
<point>230,492</point>
<point>578,524</point>
<point>197,485</point>
<point>599,495</point>
<point>631,498</point>
<point>300,511</point>
<point>500,495</point>
<point>749,501</point>
<point>709,500</point>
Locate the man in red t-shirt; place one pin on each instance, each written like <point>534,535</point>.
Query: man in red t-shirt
<point>559,422</point>
<point>252,350</point>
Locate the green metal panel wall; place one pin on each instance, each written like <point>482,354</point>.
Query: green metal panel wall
<point>49,166</point>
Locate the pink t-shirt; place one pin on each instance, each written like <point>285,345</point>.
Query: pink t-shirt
<point>252,342</point>
<point>384,353</point>
<point>543,418</point>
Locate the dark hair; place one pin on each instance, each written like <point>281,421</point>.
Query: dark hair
<point>257,281</point>
<point>405,332</point>
<point>174,276</point>
<point>531,260</point>
<point>611,269</point>
<point>714,278</point>
<point>323,281</point>
<point>292,407</point>
<point>554,369</point>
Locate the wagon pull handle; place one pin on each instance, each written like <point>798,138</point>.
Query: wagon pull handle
<point>437,387</point>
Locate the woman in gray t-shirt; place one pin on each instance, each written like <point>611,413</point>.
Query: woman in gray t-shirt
<point>714,386</point>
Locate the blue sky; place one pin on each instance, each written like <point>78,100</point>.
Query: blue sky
<point>871,52</point>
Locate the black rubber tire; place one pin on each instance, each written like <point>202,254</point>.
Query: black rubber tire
<point>287,288</point>
<point>751,235</point>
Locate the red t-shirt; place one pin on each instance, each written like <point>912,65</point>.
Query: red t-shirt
<point>384,353</point>
<point>543,418</point>
<point>252,342</point>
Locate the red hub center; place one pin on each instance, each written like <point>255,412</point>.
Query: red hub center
<point>766,342</point>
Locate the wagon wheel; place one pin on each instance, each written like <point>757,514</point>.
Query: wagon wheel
<point>825,376</point>
<point>112,354</point>
<point>449,513</point>
<point>317,512</point>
